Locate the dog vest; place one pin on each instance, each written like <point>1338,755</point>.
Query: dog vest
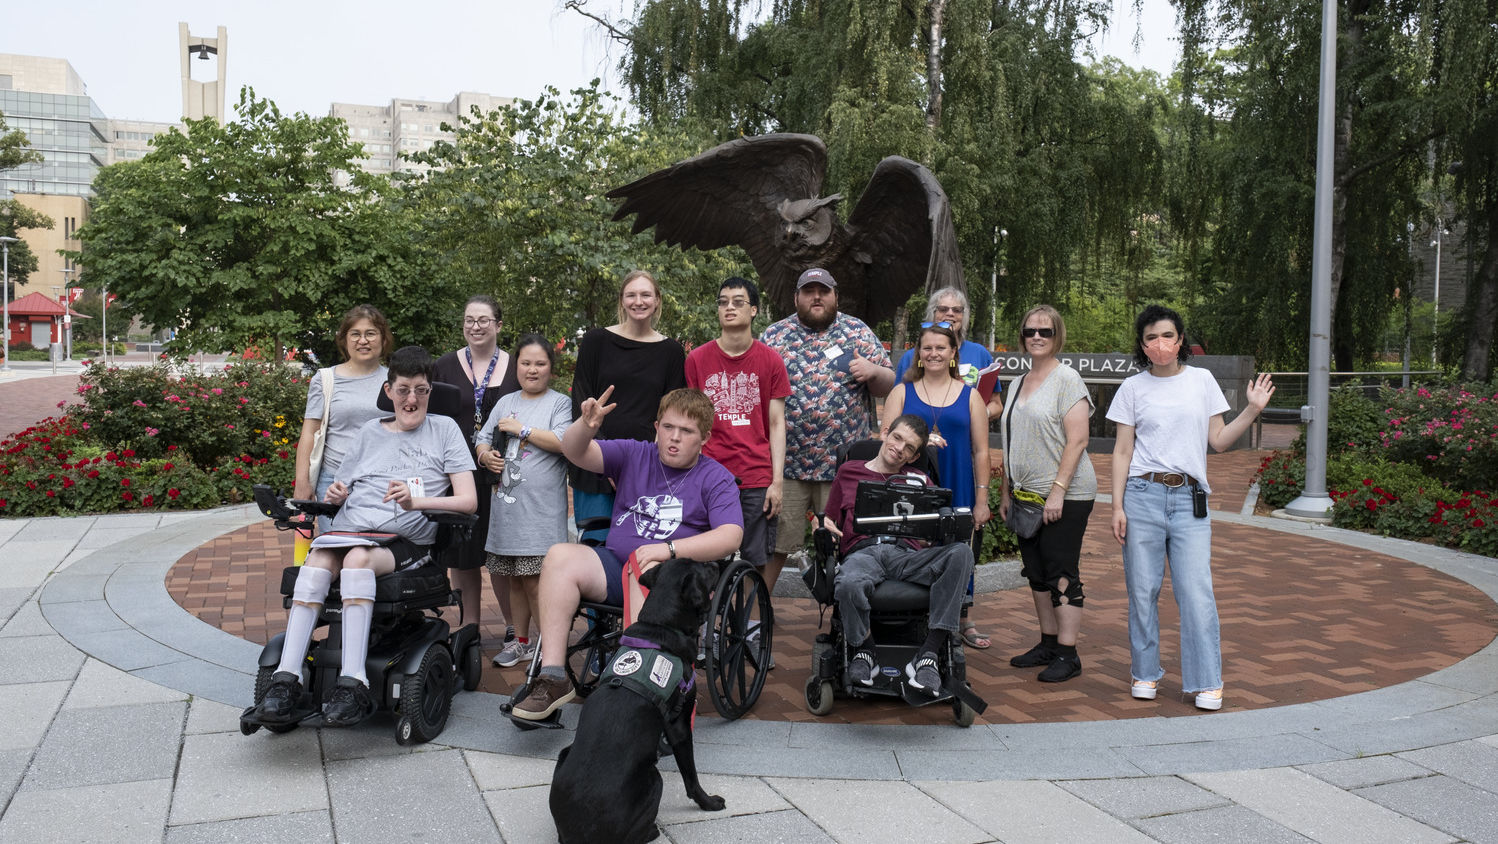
<point>645,669</point>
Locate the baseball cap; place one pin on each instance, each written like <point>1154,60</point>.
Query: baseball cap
<point>816,275</point>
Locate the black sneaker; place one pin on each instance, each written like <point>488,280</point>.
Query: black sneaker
<point>280,699</point>
<point>1062,668</point>
<point>1037,656</point>
<point>349,704</point>
<point>861,667</point>
<point>921,674</point>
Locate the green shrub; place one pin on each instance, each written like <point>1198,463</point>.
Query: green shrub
<point>1280,477</point>
<point>999,542</point>
<point>1451,432</point>
<point>1354,422</point>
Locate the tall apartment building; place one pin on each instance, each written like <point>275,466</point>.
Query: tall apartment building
<point>405,126</point>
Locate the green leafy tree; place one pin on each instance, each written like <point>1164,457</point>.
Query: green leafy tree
<point>13,218</point>
<point>15,148</point>
<point>514,207</point>
<point>236,235</point>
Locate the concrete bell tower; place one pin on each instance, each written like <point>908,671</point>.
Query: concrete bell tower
<point>202,99</point>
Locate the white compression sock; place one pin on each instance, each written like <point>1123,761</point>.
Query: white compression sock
<point>311,588</point>
<point>356,583</point>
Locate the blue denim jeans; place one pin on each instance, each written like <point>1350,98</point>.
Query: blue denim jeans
<point>1161,526</point>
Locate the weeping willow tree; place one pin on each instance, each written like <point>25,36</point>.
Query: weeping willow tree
<point>1024,137</point>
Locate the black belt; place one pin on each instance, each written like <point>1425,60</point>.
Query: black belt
<point>882,539</point>
<point>1170,479</point>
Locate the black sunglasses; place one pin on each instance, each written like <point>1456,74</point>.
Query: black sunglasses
<point>1043,332</point>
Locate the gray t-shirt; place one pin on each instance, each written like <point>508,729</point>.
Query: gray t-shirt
<point>353,404</point>
<point>379,456</point>
<point>1036,435</point>
<point>529,511</point>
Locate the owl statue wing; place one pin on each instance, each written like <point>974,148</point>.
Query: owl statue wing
<point>729,196</point>
<point>901,239</point>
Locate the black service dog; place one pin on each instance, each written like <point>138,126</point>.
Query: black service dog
<point>606,787</point>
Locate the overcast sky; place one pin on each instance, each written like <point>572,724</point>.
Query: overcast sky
<point>305,55</point>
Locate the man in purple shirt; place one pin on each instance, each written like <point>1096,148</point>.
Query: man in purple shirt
<point>670,501</point>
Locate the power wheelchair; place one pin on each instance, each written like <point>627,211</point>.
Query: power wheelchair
<point>416,661</point>
<point>736,650</point>
<point>902,507</point>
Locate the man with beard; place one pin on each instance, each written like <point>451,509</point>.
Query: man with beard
<point>837,368</point>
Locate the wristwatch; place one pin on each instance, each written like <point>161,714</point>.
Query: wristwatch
<point>671,547</point>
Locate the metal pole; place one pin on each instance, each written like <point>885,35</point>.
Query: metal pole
<point>1409,289</point>
<point>1314,502</point>
<point>104,321</point>
<point>1435,323</point>
<point>5,243</point>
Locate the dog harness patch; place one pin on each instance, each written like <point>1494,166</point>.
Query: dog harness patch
<point>660,672</point>
<point>664,678</point>
<point>627,663</point>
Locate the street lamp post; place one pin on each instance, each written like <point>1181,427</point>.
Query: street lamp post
<point>67,311</point>
<point>5,243</point>
<point>993,285</point>
<point>1435,323</point>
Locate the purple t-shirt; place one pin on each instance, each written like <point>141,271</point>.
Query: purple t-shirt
<point>654,503</point>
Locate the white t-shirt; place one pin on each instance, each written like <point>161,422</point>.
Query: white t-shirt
<point>1170,417</point>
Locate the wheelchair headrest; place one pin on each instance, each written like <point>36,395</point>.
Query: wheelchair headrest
<point>869,449</point>
<point>443,401</point>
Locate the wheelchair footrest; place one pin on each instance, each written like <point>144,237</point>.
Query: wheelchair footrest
<point>550,722</point>
<point>303,718</point>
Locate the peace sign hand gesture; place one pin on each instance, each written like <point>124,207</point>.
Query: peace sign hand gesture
<point>594,410</point>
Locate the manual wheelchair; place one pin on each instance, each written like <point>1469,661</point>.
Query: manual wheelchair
<point>735,653</point>
<point>898,619</point>
<point>416,661</point>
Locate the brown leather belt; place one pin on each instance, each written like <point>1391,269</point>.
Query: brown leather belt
<point>1170,479</point>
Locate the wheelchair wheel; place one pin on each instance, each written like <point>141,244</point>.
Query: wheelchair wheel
<point>818,695</point>
<point>589,656</point>
<point>262,683</point>
<point>963,714</point>
<point>426,699</point>
<point>473,667</point>
<point>740,626</point>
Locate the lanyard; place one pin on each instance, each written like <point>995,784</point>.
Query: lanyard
<point>479,386</point>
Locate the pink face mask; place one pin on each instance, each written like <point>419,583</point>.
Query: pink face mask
<point>1163,352</point>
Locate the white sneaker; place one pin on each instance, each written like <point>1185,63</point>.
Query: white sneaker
<point>1211,700</point>
<point>514,652</point>
<point>1143,689</point>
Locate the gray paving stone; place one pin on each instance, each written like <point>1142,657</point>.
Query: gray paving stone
<point>28,709</point>
<point>38,659</point>
<point>308,827</point>
<point>12,601</point>
<point>1230,825</point>
<point>1316,809</point>
<point>869,811</point>
<point>73,586</point>
<point>125,649</point>
<point>1030,812</point>
<point>372,739</point>
<point>522,814</point>
<point>495,771</point>
<point>1068,763</point>
<point>10,527</point>
<point>176,628</point>
<point>1143,797</point>
<point>1472,762</point>
<point>120,813</point>
<point>1441,802</point>
<point>27,564</point>
<point>375,801</point>
<point>745,731</point>
<point>495,734</point>
<point>1393,702</point>
<point>12,765</point>
<point>224,776</point>
<point>1229,755</point>
<point>741,796</point>
<point>203,679</point>
<point>1477,673</point>
<point>99,684</point>
<point>806,762</point>
<point>41,530</point>
<point>1452,724</point>
<point>76,618</point>
<point>1368,770</point>
<point>208,716</point>
<point>943,736</point>
<point>118,744</point>
<point>27,619</point>
<point>103,537</point>
<point>789,826</point>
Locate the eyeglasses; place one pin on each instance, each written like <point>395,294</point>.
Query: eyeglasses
<point>950,309</point>
<point>480,322</point>
<point>936,325</point>
<point>405,392</point>
<point>740,302</point>
<point>363,335</point>
<point>1047,333</point>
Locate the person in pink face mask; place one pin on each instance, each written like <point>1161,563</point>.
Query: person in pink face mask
<point>1167,416</point>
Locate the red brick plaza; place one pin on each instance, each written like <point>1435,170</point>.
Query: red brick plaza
<point>1303,619</point>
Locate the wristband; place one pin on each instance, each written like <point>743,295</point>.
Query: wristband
<point>671,547</point>
<point>1060,484</point>
<point>525,432</point>
<point>982,486</point>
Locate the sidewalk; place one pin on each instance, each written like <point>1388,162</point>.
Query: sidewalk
<point>122,726</point>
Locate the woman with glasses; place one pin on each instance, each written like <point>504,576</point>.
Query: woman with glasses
<point>1044,431</point>
<point>950,305</point>
<point>954,414</point>
<point>641,364</point>
<point>483,373</point>
<point>344,396</point>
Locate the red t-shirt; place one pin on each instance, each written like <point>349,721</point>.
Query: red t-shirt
<point>741,388</point>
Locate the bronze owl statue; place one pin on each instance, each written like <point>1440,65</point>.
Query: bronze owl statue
<point>761,193</point>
